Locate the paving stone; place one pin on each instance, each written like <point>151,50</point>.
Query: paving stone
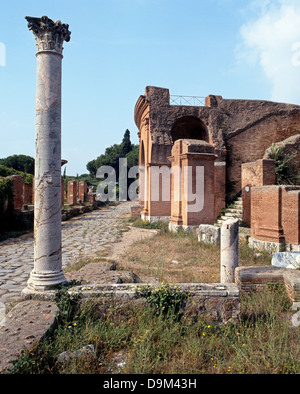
<point>84,236</point>
<point>26,322</point>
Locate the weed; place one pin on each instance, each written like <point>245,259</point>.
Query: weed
<point>159,225</point>
<point>284,166</point>
<point>164,299</point>
<point>262,341</point>
<point>67,305</point>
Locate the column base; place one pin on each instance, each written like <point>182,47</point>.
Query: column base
<point>45,281</point>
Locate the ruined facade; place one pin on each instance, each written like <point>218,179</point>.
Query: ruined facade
<point>238,132</point>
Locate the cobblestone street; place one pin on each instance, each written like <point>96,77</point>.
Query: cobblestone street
<point>87,235</point>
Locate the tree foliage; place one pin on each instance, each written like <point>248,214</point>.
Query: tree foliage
<point>8,171</point>
<point>112,155</point>
<point>126,144</point>
<point>21,163</point>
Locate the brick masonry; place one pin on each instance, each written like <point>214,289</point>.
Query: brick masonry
<point>17,191</point>
<point>240,131</point>
<point>72,192</point>
<point>258,173</point>
<point>82,191</point>
<point>259,278</point>
<point>275,214</point>
<point>184,211</point>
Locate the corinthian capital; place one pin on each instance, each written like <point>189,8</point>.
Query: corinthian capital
<point>49,34</point>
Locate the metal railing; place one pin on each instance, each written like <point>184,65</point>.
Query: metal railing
<point>194,101</point>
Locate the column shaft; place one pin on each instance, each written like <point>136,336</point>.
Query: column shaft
<point>47,272</point>
<point>229,250</point>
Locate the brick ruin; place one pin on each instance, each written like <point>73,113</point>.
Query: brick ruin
<point>77,192</point>
<point>20,212</point>
<point>230,139</point>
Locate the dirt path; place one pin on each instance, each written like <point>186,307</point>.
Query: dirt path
<point>128,238</point>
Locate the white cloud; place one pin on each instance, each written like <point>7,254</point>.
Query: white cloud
<point>272,38</point>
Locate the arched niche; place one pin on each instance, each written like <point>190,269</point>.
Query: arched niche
<point>189,127</point>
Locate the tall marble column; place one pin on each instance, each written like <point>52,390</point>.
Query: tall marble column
<point>50,35</point>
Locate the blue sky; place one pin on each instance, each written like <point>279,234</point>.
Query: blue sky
<point>238,49</point>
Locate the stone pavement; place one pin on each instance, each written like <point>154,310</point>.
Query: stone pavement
<point>87,235</point>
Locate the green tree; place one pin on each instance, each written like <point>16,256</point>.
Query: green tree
<point>133,156</point>
<point>20,163</point>
<point>112,155</point>
<point>92,167</point>
<point>126,143</point>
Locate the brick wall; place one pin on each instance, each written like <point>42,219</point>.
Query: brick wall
<point>251,144</point>
<point>239,130</point>
<point>291,214</point>
<point>258,173</point>
<point>275,214</point>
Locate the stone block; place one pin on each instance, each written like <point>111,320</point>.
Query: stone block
<point>209,233</point>
<point>258,278</point>
<point>136,212</point>
<point>286,260</point>
<point>27,322</point>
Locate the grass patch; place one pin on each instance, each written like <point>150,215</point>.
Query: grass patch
<point>180,258</point>
<point>159,225</point>
<point>262,341</point>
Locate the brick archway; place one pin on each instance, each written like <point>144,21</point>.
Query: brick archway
<point>189,127</point>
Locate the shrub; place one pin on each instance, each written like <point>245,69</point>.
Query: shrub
<point>6,195</point>
<point>164,299</point>
<point>6,171</point>
<point>284,170</point>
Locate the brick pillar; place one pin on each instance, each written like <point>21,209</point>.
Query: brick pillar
<point>258,173</point>
<point>291,214</point>
<point>82,191</point>
<point>266,217</point>
<point>72,192</point>
<point>192,185</point>
<point>17,191</point>
<point>27,193</point>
